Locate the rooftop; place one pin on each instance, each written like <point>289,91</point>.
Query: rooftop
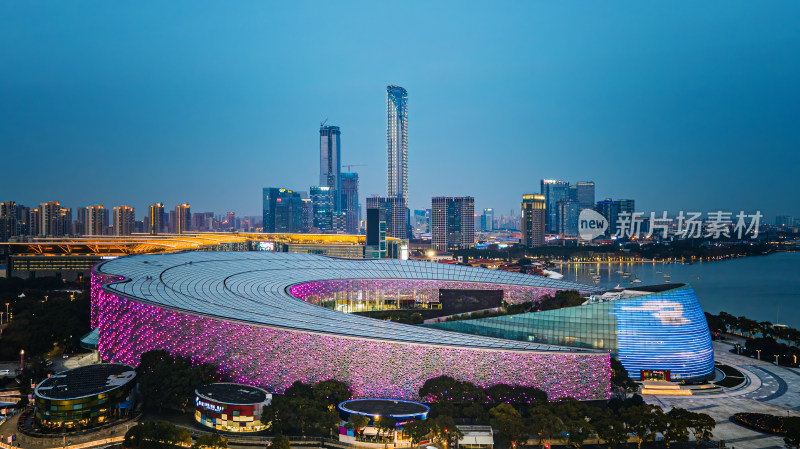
<point>253,287</point>
<point>384,407</point>
<point>85,381</point>
<point>230,393</point>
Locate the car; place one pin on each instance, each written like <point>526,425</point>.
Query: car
<point>65,356</point>
<point>5,372</point>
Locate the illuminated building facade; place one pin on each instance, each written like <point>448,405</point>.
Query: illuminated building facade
<point>96,220</point>
<point>397,143</point>
<point>181,219</point>
<point>124,218</point>
<point>283,210</point>
<point>554,191</point>
<point>250,325</point>
<point>350,205</point>
<point>395,214</point>
<point>84,397</point>
<point>156,218</point>
<point>534,209</point>
<point>657,332</point>
<point>330,168</point>
<point>452,223</point>
<point>322,203</point>
<point>583,193</point>
<point>230,407</point>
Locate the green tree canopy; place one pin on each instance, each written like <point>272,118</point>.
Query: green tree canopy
<point>511,429</point>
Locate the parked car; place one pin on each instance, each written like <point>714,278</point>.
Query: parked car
<point>5,372</point>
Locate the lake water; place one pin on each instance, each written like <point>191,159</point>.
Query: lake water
<point>763,288</point>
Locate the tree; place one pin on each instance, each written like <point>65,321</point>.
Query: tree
<point>438,388</point>
<point>331,392</point>
<point>280,441</point>
<point>543,422</point>
<point>609,427</point>
<point>357,422</point>
<point>167,381</point>
<point>385,425</point>
<point>156,434</point>
<point>508,421</point>
<point>573,418</point>
<point>701,425</point>
<point>210,441</point>
<point>621,383</point>
<point>791,427</point>
<point>417,430</point>
<point>644,421</point>
<point>444,429</point>
<point>676,426</point>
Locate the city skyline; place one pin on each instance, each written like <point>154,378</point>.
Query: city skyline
<point>655,96</point>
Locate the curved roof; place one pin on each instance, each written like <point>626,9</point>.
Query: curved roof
<point>252,287</point>
<point>232,393</point>
<point>85,381</point>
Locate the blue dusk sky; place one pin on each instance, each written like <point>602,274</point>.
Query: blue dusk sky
<point>678,105</point>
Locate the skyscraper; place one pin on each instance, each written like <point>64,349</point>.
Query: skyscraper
<point>375,247</point>
<point>156,218</point>
<point>50,223</point>
<point>583,193</point>
<point>182,219</point>
<point>8,220</point>
<point>487,220</point>
<point>397,143</point>
<point>322,203</point>
<point>534,208</point>
<point>452,223</point>
<point>283,210</point>
<point>553,191</point>
<point>395,213</point>
<point>350,205</point>
<point>330,169</point>
<point>123,220</point>
<point>609,209</point>
<point>96,220</point>
<point>568,213</point>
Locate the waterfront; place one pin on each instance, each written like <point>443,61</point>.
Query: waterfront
<point>764,288</point>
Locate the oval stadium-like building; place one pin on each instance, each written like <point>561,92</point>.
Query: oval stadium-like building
<point>243,313</point>
<point>657,332</point>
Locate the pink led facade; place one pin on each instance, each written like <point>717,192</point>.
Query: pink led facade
<point>422,289</point>
<point>274,358</point>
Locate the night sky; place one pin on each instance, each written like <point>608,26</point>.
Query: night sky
<point>679,105</point>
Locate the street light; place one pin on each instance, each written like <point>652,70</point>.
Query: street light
<point>759,353</point>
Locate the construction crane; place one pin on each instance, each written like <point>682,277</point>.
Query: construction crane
<point>349,170</point>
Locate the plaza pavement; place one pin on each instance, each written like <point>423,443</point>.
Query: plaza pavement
<point>772,389</point>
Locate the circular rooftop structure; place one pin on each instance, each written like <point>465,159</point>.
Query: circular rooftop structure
<point>232,394</point>
<point>393,408</point>
<point>85,381</point>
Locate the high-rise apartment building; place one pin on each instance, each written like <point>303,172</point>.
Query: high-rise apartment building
<point>452,223</point>
<point>395,213</point>
<point>156,218</point>
<point>9,223</point>
<point>181,219</point>
<point>323,204</point>
<point>282,210</point>
<point>96,220</point>
<point>628,206</point>
<point>330,168</point>
<point>124,218</point>
<point>534,209</point>
<point>350,206</point>
<point>50,219</point>
<point>568,213</point>
<point>553,191</point>
<point>397,143</point>
<point>487,220</point>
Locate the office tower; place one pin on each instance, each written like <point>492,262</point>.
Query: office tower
<point>609,209</point>
<point>628,206</point>
<point>568,213</point>
<point>452,223</point>
<point>323,205</point>
<point>376,233</point>
<point>553,191</point>
<point>395,214</point>
<point>487,220</point>
<point>8,220</point>
<point>282,210</point>
<point>307,215</point>
<point>124,219</point>
<point>181,219</point>
<point>156,218</point>
<point>96,220</point>
<point>534,209</point>
<point>583,193</point>
<point>397,143</point>
<point>421,223</point>
<point>230,221</point>
<point>330,169</point>
<point>349,198</point>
